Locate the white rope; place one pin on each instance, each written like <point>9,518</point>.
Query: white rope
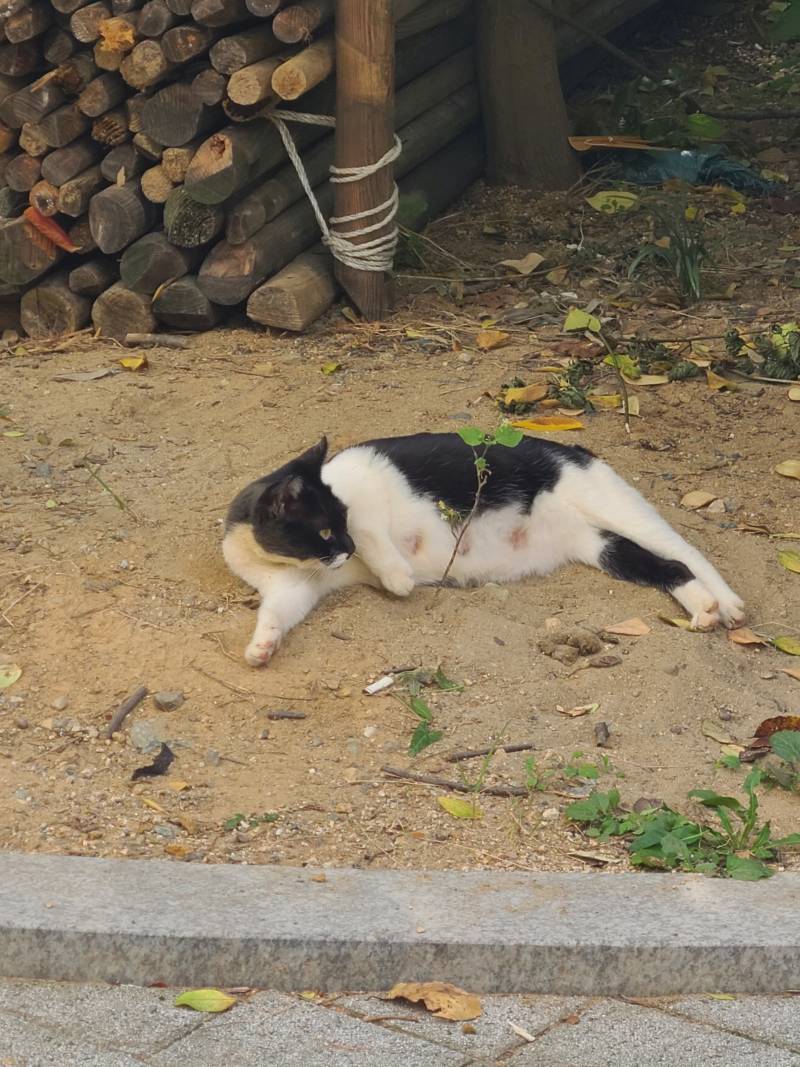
<point>376,254</point>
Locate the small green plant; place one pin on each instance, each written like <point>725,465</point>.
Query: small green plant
<point>775,354</point>
<point>581,768</point>
<point>739,847</point>
<point>679,255</point>
<point>785,771</point>
<point>413,683</point>
<point>536,778</point>
<point>247,822</point>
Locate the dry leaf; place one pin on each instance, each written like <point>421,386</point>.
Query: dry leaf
<point>211,1000</point>
<point>697,498</point>
<point>794,392</point>
<point>446,1001</point>
<point>526,265</point>
<point>581,709</point>
<point>459,808</point>
<point>330,367</point>
<point>717,382</point>
<point>629,628</point>
<point>612,141</point>
<point>612,201</point>
<point>605,400</point>
<point>518,1030</point>
<point>716,733</point>
<point>793,672</point>
<point>547,423</point>
<point>188,824</point>
<point>790,560</point>
<point>789,645</point>
<point>528,394</point>
<point>9,673</point>
<point>605,661</point>
<point>578,319</point>
<point>776,724</point>
<point>133,362</point>
<point>84,375</point>
<point>558,275</point>
<point>648,379</point>
<point>152,804</point>
<point>633,406</point>
<point>177,850</point>
<point>682,624</point>
<point>789,468</point>
<point>489,339</point>
<point>745,636</point>
<point>177,785</point>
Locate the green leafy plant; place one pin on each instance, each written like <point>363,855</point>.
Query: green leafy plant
<point>785,771</point>
<point>413,682</point>
<point>775,354</point>
<point>536,779</point>
<point>678,257</point>
<point>739,847</point>
<point>580,767</point>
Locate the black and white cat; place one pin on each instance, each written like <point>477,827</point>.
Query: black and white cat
<point>371,515</point>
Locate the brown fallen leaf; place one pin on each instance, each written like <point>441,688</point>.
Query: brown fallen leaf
<point>717,382</point>
<point>489,339</point>
<point>575,713</point>
<point>777,723</point>
<point>791,671</point>
<point>605,661</point>
<point>629,628</point>
<point>526,265</point>
<point>789,468</point>
<point>557,275</point>
<point>745,636</point>
<point>697,498</point>
<point>527,394</point>
<point>444,1000</point>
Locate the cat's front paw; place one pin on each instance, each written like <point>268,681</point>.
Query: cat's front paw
<point>398,582</point>
<point>262,648</point>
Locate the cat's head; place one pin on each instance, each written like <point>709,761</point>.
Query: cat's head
<point>297,517</point>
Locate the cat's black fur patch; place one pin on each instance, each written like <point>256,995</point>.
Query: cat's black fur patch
<point>624,559</point>
<point>289,508</point>
<point>441,467</point>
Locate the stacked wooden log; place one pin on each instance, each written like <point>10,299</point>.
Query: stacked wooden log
<point>142,183</point>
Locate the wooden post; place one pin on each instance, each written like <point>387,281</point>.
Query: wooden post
<point>364,131</point>
<point>523,106</point>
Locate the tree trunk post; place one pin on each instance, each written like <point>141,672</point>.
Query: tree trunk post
<point>364,134</point>
<point>523,107</point>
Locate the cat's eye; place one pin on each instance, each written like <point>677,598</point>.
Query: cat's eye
<point>326,535</point>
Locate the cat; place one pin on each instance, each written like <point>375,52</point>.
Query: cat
<point>375,514</point>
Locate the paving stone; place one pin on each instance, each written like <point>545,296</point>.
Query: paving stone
<point>763,1018</point>
<point>494,1033</point>
<point>24,1043</point>
<point>275,1028</point>
<point>123,1017</point>
<point>625,1035</point>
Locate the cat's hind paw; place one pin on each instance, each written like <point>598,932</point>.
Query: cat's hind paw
<point>262,648</point>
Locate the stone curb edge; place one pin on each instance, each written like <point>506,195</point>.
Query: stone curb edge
<point>81,919</point>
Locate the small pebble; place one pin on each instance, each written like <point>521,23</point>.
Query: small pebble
<point>60,703</point>
<point>550,813</point>
<point>21,723</point>
<point>213,757</point>
<point>263,735</point>
<point>170,700</point>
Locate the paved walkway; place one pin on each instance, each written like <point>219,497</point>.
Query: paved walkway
<point>49,1024</point>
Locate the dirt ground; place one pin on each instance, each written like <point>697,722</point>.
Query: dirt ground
<point>112,493</point>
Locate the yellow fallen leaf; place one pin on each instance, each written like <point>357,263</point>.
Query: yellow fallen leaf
<point>606,400</point>
<point>612,201</point>
<point>789,468</point>
<point>629,628</point>
<point>174,848</point>
<point>580,320</point>
<point>459,808</point>
<point>188,824</point>
<point>716,733</point>
<point>633,406</point>
<point>682,624</point>
<point>526,265</point>
<point>794,393</point>
<point>13,433</point>
<point>557,275</point>
<point>577,712</point>
<point>745,636</point>
<point>446,1001</point>
<point>722,996</point>
<point>738,209</point>
<point>791,671</point>
<point>649,379</point>
<point>717,382</point>
<point>697,498</point>
<point>665,242</point>
<point>790,560</point>
<point>9,673</point>
<point>547,424</point>
<point>211,1000</point>
<point>789,645</point>
<point>177,785</point>
<point>489,339</point>
<point>527,394</point>
<point>330,367</point>
<point>148,803</point>
<point>690,214</point>
<point>133,362</point>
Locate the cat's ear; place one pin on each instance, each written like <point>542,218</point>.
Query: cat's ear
<point>314,457</point>
<point>280,500</point>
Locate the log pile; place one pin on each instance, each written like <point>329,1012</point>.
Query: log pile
<point>142,184</point>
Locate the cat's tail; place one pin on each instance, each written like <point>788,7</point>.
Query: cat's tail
<point>628,522</point>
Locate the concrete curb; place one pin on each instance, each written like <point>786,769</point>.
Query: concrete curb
<point>73,918</point>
